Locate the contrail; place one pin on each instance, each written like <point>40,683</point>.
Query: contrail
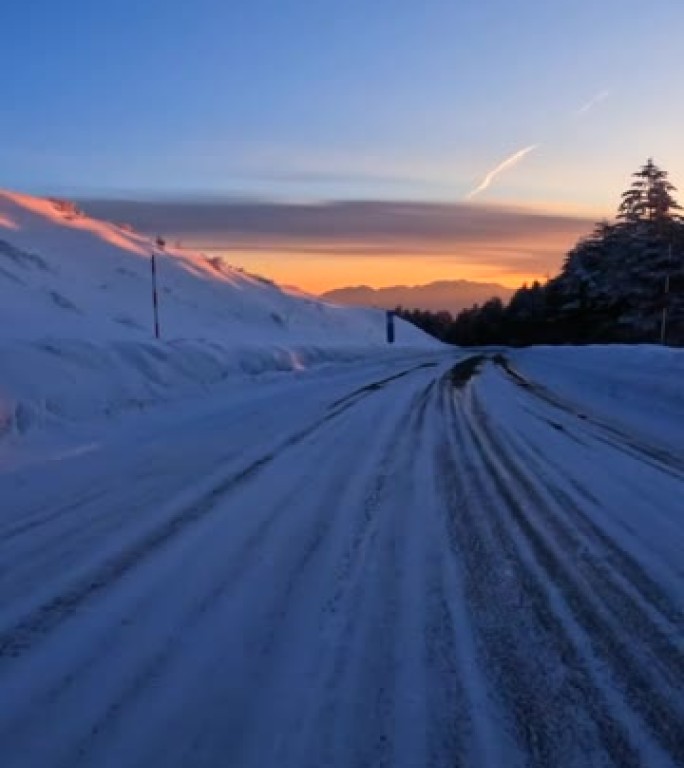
<point>507,163</point>
<point>602,96</point>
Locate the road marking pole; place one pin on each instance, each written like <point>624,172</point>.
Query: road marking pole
<point>390,326</point>
<point>155,300</point>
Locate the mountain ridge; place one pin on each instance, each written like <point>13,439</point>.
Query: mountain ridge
<point>448,295</point>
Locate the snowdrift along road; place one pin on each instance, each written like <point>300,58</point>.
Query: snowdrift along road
<point>436,563</point>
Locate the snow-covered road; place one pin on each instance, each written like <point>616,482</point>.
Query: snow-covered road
<point>428,562</point>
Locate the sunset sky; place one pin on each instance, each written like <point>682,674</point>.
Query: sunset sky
<point>334,143</point>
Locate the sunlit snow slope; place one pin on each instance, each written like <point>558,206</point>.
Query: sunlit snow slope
<point>76,320</point>
<point>65,274</point>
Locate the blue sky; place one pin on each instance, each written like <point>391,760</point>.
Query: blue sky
<point>295,99</point>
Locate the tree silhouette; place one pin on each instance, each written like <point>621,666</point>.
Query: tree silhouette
<point>650,196</point>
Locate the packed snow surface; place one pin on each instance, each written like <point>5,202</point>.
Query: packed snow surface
<point>446,559</point>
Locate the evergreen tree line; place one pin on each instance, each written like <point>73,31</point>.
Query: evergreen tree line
<point>614,286</point>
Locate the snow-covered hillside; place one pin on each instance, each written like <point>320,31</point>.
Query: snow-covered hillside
<point>76,322</point>
<point>64,273</point>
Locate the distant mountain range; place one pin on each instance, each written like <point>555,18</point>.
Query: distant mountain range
<point>452,295</point>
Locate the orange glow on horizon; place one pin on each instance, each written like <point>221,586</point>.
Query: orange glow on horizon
<point>317,274</point>
<point>383,246</point>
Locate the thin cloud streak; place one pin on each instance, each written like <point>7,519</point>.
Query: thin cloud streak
<point>319,246</point>
<point>508,163</point>
<point>349,227</point>
<point>593,102</point>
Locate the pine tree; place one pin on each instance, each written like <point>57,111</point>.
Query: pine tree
<point>650,196</point>
<point>612,287</point>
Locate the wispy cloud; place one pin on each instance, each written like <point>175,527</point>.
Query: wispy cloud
<point>508,163</point>
<point>593,102</point>
<point>365,227</point>
<point>319,246</point>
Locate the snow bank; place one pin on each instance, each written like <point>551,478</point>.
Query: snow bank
<point>638,386</point>
<point>76,319</point>
<point>49,382</point>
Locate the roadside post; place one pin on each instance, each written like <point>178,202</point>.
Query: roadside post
<point>666,301</point>
<point>155,300</point>
<point>390,326</point>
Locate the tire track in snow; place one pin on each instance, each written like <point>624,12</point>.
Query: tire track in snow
<point>609,434</point>
<point>247,558</point>
<point>411,579</point>
<point>607,637</point>
<point>617,578</point>
<point>306,733</point>
<point>531,514</point>
<point>545,482</point>
<point>18,638</point>
<point>507,607</point>
<point>361,616</point>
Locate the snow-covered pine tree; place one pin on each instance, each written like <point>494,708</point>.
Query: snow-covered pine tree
<point>612,285</point>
